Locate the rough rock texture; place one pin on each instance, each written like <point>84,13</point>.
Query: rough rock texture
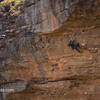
<point>45,16</point>
<point>43,66</point>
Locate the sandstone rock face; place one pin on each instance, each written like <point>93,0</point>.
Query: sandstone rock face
<point>43,66</point>
<point>45,16</point>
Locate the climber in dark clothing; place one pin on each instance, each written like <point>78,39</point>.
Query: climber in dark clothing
<point>77,47</point>
<point>71,44</point>
<point>74,45</point>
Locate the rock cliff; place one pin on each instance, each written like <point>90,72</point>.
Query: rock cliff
<point>45,16</point>
<point>36,62</point>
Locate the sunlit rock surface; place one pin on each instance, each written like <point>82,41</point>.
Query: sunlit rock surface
<point>45,16</point>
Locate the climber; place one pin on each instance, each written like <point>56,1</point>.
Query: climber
<point>74,45</point>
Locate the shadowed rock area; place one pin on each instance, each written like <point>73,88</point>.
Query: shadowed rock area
<point>36,62</point>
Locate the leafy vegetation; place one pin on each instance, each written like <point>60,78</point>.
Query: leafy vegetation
<point>10,5</point>
<point>16,2</point>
